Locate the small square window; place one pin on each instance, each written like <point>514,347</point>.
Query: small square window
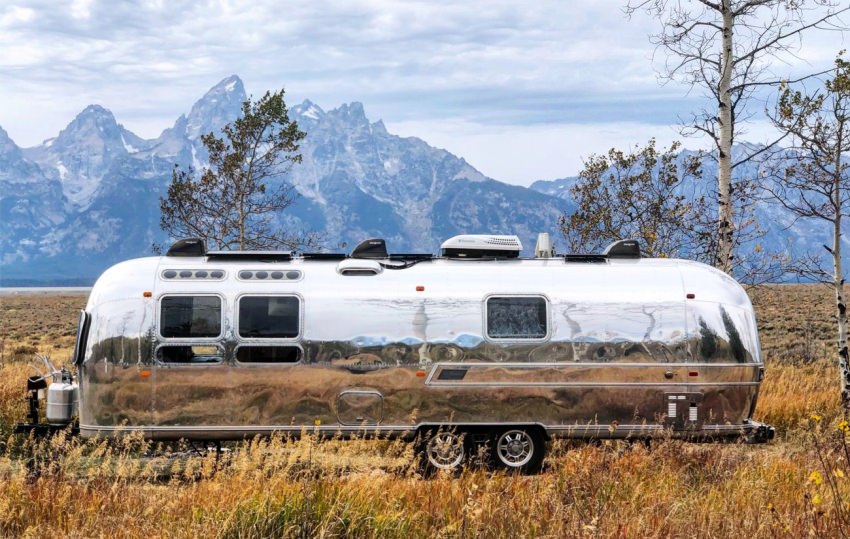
<point>516,317</point>
<point>190,317</point>
<point>269,317</point>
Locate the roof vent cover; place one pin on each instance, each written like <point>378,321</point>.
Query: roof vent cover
<point>187,247</point>
<point>623,249</point>
<point>353,267</point>
<point>374,248</point>
<point>481,246</point>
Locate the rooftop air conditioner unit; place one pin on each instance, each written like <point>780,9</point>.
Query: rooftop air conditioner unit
<point>481,246</point>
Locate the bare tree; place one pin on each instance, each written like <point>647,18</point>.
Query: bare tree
<point>642,195</point>
<point>814,182</point>
<point>234,202</point>
<point>724,48</point>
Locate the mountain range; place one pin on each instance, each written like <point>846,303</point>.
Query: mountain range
<point>89,197</point>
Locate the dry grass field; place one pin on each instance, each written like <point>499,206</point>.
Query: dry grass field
<point>796,486</point>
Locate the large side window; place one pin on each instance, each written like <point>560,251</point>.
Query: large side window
<point>516,317</point>
<point>269,317</point>
<point>190,317</point>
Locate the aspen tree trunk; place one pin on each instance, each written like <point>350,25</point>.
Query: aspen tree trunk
<point>724,159</point>
<point>838,283</point>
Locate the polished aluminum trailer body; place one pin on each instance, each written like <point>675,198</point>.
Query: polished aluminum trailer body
<point>207,348</point>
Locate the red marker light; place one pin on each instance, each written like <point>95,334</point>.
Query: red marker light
<point>420,288</point>
<point>693,373</point>
<point>691,296</point>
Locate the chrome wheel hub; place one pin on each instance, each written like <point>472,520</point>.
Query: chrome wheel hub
<point>445,450</point>
<point>515,448</point>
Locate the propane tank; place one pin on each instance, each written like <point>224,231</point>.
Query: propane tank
<point>62,399</point>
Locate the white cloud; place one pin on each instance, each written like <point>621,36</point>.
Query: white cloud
<point>542,68</point>
<point>81,9</point>
<point>15,15</point>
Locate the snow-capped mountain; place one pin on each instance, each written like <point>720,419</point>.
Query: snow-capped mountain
<point>88,198</point>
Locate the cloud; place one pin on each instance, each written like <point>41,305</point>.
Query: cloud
<point>487,65</point>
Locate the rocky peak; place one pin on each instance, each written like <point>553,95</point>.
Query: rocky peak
<point>8,147</point>
<point>14,167</point>
<point>218,107</point>
<point>94,123</point>
<point>307,112</point>
<point>351,114</point>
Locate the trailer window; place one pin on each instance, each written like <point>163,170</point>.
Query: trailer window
<point>189,354</point>
<point>269,317</point>
<point>516,317</point>
<point>268,354</point>
<point>190,317</point>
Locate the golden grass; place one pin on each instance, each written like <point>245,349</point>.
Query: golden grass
<point>796,486</point>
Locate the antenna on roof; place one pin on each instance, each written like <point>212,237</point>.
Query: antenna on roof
<point>374,248</point>
<point>188,247</point>
<point>544,248</point>
<point>623,249</point>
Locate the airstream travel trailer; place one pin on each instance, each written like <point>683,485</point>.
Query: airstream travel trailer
<point>476,345</point>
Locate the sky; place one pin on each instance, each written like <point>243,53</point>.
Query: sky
<point>522,90</point>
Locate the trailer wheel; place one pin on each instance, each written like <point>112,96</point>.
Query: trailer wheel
<point>521,450</point>
<point>444,450</point>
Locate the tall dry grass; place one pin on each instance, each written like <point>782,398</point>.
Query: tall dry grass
<point>796,486</point>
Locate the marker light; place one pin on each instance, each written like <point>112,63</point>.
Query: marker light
<point>420,288</point>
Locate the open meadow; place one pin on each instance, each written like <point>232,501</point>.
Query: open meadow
<point>796,486</point>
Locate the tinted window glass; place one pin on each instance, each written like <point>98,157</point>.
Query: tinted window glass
<point>268,354</point>
<point>516,318</point>
<point>189,354</point>
<point>190,316</point>
<point>270,317</point>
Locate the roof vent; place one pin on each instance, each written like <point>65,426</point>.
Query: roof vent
<point>353,267</point>
<point>374,248</point>
<point>188,247</point>
<point>623,249</point>
<point>481,246</point>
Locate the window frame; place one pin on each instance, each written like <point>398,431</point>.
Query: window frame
<point>485,316</point>
<point>237,326</point>
<point>184,340</point>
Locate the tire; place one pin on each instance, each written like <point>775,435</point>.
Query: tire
<point>442,450</point>
<point>520,449</point>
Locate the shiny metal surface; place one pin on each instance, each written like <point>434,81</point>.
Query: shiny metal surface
<point>607,348</point>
